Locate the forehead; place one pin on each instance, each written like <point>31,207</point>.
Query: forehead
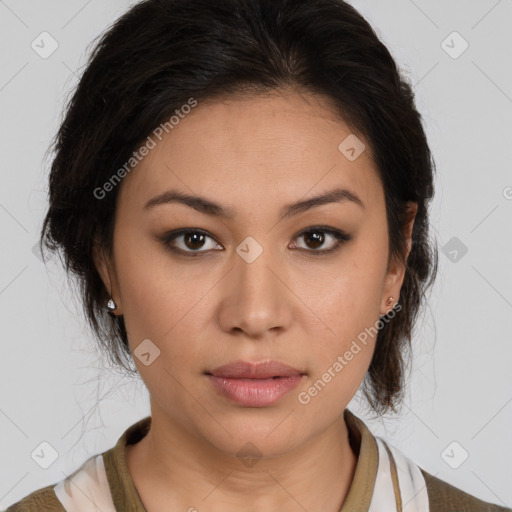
<point>276,147</point>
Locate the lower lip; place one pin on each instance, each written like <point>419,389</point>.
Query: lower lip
<point>255,392</point>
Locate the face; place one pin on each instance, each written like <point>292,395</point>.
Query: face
<point>263,281</point>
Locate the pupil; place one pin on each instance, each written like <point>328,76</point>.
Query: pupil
<point>194,237</point>
<point>318,237</point>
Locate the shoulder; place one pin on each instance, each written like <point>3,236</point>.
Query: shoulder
<point>94,485</point>
<point>424,492</point>
<point>42,499</point>
<point>444,497</point>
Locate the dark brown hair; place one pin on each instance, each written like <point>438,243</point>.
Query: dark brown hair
<point>163,52</point>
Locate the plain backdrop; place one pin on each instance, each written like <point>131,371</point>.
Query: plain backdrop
<point>457,419</point>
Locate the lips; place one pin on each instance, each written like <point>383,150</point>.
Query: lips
<point>262,370</point>
<point>254,385</point>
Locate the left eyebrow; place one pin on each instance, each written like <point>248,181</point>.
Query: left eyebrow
<point>337,195</point>
<point>209,207</point>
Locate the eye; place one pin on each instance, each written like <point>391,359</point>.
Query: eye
<point>317,236</point>
<point>191,241</point>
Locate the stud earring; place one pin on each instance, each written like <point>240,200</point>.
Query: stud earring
<point>388,303</point>
<point>111,305</point>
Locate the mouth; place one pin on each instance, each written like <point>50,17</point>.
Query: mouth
<point>254,385</point>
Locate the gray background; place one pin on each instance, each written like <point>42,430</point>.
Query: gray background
<point>54,385</point>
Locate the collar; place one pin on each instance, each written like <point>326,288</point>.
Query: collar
<point>126,497</point>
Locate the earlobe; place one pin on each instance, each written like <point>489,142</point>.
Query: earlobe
<point>389,305</point>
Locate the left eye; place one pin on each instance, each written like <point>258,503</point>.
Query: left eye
<point>317,237</point>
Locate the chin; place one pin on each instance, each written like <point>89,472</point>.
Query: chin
<point>256,436</point>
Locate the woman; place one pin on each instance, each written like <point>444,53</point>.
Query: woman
<point>242,189</point>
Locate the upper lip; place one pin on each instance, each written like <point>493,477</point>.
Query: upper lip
<point>261,370</point>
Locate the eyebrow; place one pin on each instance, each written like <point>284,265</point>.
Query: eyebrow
<point>208,207</point>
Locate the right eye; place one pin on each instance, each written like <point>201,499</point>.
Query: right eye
<point>191,241</point>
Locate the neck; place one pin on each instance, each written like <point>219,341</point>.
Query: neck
<point>171,468</point>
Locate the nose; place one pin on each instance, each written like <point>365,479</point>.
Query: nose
<point>256,299</point>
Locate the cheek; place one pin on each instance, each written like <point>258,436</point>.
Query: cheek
<point>157,307</point>
<point>347,292</point>
<point>158,298</point>
<point>347,299</point>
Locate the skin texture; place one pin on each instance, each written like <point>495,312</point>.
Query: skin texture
<point>253,155</point>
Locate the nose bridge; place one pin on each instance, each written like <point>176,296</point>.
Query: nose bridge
<point>258,301</point>
<point>253,268</point>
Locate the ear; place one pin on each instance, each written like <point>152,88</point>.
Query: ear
<point>105,268</point>
<point>396,269</point>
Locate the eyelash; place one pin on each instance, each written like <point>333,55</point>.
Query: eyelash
<point>340,238</point>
